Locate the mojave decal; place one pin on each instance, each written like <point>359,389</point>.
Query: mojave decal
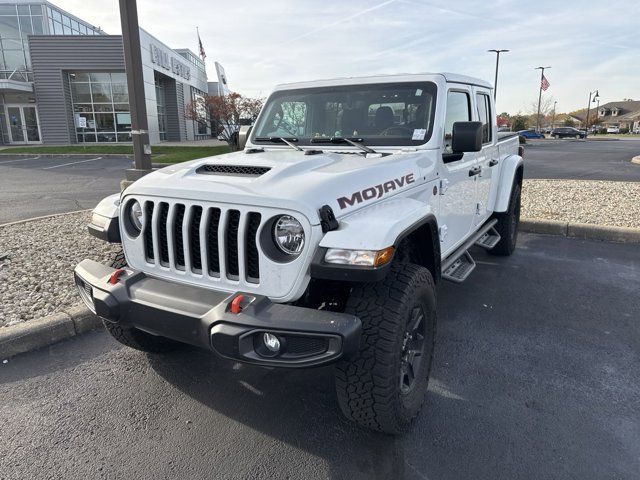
<point>375,192</point>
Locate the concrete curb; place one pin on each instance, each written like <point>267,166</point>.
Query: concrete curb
<point>636,160</point>
<point>46,331</point>
<point>580,230</point>
<point>18,222</point>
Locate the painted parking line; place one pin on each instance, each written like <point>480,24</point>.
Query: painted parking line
<point>3,162</point>
<point>72,163</point>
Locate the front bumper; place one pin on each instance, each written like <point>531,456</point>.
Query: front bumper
<point>203,318</point>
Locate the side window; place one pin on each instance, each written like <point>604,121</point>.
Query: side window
<point>484,115</point>
<point>458,110</point>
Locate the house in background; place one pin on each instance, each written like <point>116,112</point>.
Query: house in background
<point>624,114</point>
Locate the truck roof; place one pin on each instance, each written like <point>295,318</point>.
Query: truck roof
<point>402,77</point>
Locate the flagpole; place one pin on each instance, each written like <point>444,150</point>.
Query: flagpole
<point>539,96</point>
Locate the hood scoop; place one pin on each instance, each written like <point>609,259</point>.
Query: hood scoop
<point>232,170</point>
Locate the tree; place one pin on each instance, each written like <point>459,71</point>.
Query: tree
<point>546,108</point>
<point>518,122</point>
<point>568,122</point>
<point>224,114</point>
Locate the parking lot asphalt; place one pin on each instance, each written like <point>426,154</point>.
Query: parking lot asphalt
<point>31,186</point>
<point>582,160</point>
<point>536,376</point>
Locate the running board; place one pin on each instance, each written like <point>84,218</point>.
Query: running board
<point>489,239</point>
<point>460,269</point>
<point>459,265</point>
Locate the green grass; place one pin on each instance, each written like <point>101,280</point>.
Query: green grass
<point>160,153</point>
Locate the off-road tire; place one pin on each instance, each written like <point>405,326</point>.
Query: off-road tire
<point>143,341</point>
<point>508,223</point>
<point>368,386</point>
<point>118,260</point>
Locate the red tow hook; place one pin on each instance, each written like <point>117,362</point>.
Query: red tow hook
<point>113,279</point>
<point>236,308</point>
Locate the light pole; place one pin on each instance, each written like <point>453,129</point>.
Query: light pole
<point>553,119</point>
<point>495,83</point>
<point>135,86</point>
<point>586,120</point>
<point>539,96</point>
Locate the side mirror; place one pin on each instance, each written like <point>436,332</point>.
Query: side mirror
<point>243,136</point>
<point>467,137</point>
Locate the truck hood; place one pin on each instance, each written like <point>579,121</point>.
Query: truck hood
<point>344,181</point>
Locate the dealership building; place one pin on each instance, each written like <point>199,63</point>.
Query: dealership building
<point>62,81</point>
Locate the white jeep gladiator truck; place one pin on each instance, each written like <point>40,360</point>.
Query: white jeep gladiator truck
<point>322,241</point>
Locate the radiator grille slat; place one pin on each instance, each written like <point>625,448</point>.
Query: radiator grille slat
<point>162,233</point>
<point>212,238</point>
<point>251,248</point>
<point>148,233</point>
<point>177,237</point>
<point>194,239</point>
<point>233,224</point>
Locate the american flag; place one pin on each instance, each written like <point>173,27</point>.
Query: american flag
<point>201,48</point>
<point>544,83</point>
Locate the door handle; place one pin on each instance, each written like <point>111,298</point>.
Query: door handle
<point>493,162</point>
<point>475,171</point>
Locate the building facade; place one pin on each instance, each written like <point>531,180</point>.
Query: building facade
<point>62,81</point>
<point>624,114</point>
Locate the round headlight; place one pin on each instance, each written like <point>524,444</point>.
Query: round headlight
<point>135,215</point>
<point>289,235</point>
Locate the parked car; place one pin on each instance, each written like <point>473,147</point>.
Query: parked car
<point>567,132</point>
<point>613,129</point>
<point>530,134</point>
<point>320,248</point>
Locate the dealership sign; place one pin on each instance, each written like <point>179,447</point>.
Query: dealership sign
<point>161,58</point>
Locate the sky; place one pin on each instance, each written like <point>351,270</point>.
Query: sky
<point>589,44</point>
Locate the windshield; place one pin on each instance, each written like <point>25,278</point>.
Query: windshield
<point>398,114</point>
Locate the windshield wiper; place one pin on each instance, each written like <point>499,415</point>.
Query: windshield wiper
<point>356,142</point>
<point>288,140</point>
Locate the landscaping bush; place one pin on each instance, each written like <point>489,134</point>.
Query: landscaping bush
<point>624,130</point>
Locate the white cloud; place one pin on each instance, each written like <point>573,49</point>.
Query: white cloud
<point>589,45</point>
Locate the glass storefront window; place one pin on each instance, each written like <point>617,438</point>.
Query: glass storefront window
<point>25,26</point>
<point>81,92</point>
<point>7,9</point>
<point>9,27</point>
<point>94,109</point>
<point>101,92</point>
<point>160,102</point>
<point>38,25</point>
<point>17,22</point>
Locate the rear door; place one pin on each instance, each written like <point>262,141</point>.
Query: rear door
<point>457,188</point>
<point>488,157</point>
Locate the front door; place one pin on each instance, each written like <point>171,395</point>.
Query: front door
<point>23,124</point>
<point>458,189</point>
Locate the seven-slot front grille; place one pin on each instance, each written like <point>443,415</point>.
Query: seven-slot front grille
<point>194,238</point>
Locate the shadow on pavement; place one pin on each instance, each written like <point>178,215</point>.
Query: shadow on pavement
<point>296,407</point>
